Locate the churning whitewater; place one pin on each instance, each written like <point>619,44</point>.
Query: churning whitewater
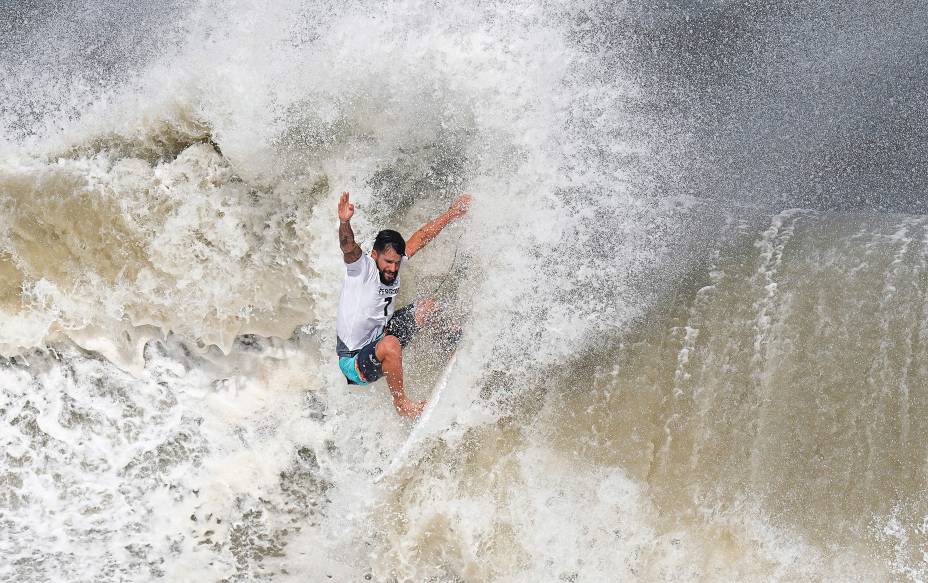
<point>665,374</point>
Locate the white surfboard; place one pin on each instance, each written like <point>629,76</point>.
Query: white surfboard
<point>422,427</point>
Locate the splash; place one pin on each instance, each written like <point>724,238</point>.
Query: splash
<point>649,385</point>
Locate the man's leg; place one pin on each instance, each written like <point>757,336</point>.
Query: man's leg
<point>408,320</point>
<point>425,313</point>
<point>390,354</point>
<point>428,313</point>
<point>425,309</point>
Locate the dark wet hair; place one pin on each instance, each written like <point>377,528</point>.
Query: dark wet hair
<point>390,238</point>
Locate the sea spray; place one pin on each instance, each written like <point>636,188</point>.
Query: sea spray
<point>651,383</point>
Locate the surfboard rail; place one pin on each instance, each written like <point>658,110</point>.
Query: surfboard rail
<point>420,429</point>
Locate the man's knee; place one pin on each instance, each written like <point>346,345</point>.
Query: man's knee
<point>425,309</point>
<point>388,348</point>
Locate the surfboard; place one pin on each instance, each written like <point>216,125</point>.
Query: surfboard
<point>422,428</point>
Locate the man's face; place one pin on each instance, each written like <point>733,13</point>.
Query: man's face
<point>388,264</point>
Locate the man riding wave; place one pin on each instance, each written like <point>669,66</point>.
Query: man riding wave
<point>371,332</point>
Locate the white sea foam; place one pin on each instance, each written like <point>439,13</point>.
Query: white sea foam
<point>171,407</point>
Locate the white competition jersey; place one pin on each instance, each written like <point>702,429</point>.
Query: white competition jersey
<point>365,304</point>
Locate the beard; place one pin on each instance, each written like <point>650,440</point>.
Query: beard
<point>387,279</point>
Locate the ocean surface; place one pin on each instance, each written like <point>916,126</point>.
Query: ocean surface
<point>693,288</point>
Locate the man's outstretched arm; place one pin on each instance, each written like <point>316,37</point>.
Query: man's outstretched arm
<point>350,250</point>
<point>430,230</point>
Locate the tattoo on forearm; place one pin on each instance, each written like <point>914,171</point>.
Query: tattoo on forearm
<point>345,236</point>
<point>350,249</point>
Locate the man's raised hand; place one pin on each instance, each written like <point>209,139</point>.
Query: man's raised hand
<point>345,208</point>
<point>350,249</point>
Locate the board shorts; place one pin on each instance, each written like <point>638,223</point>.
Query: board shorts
<point>361,367</point>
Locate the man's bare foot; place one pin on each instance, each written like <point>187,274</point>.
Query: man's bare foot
<point>409,408</point>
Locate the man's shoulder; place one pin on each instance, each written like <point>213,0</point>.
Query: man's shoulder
<point>360,266</point>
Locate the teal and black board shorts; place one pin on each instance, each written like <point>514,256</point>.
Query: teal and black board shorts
<point>361,366</point>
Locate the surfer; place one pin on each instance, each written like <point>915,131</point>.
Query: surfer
<point>371,332</point>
